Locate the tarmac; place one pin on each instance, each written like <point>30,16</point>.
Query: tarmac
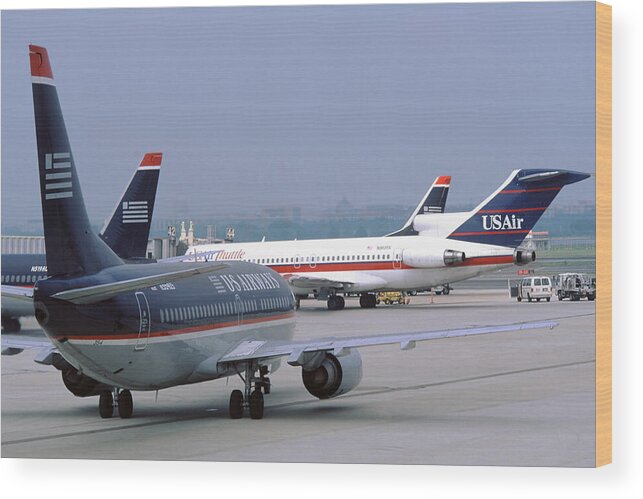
<point>519,399</point>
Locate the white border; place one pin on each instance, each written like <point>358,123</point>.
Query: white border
<point>102,479</point>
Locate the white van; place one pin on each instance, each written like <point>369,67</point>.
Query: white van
<point>534,288</point>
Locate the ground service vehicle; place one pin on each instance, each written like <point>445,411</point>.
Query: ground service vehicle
<point>575,286</point>
<point>534,288</point>
<point>390,297</point>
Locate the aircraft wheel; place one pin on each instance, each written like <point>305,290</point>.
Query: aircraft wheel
<point>10,325</point>
<point>340,303</point>
<point>125,404</point>
<point>105,405</point>
<point>256,404</point>
<point>331,303</point>
<point>236,404</point>
<point>446,290</point>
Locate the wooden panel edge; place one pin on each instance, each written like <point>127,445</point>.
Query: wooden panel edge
<point>603,234</point>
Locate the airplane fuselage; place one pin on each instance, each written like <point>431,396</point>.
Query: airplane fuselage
<point>372,263</point>
<point>169,334</point>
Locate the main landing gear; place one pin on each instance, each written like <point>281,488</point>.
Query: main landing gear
<point>335,302</point>
<point>252,396</point>
<point>122,399</point>
<point>367,300</point>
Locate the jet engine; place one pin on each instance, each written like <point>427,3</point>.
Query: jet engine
<point>524,256</point>
<point>334,376</point>
<point>432,259</point>
<point>76,382</point>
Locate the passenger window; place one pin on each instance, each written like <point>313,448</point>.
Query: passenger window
<point>537,282</point>
<point>546,282</point>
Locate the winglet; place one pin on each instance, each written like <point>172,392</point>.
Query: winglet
<point>151,160</point>
<point>39,61</point>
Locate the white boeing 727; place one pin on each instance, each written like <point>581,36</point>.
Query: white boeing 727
<point>441,248</point>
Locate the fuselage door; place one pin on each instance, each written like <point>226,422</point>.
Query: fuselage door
<point>397,258</point>
<point>297,261</point>
<point>238,308</point>
<point>144,324</point>
<point>313,261</point>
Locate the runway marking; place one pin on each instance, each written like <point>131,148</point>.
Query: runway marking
<point>301,402</point>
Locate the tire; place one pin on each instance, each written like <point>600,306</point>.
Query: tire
<point>446,290</point>
<point>256,404</point>
<point>591,297</point>
<point>105,405</point>
<point>125,404</point>
<point>332,303</point>
<point>438,292</point>
<point>538,300</point>
<point>519,298</point>
<point>10,325</point>
<point>528,297</point>
<point>548,299</point>
<point>340,303</point>
<point>235,407</point>
<point>560,296</point>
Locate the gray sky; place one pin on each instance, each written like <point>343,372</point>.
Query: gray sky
<point>281,106</point>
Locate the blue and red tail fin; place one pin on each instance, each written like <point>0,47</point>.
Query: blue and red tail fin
<point>434,201</point>
<point>72,247</point>
<point>128,230</point>
<point>506,217</point>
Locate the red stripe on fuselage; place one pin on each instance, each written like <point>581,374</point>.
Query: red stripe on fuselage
<point>489,232</point>
<point>515,210</point>
<point>175,332</point>
<point>486,260</point>
<point>541,189</point>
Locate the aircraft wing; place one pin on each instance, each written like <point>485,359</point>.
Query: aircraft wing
<point>338,280</point>
<point>13,344</point>
<point>17,292</point>
<point>301,352</point>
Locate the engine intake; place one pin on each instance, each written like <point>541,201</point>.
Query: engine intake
<point>334,376</point>
<point>524,256</point>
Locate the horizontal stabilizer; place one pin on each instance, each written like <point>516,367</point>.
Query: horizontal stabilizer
<point>100,292</point>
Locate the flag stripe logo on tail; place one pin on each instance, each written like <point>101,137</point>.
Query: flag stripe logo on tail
<point>61,190</point>
<point>135,212</point>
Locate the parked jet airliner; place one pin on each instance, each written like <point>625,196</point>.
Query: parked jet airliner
<point>126,232</point>
<point>146,327</point>
<point>446,247</point>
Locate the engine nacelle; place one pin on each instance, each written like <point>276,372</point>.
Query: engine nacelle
<point>80,384</point>
<point>432,259</point>
<point>334,376</point>
<point>524,256</point>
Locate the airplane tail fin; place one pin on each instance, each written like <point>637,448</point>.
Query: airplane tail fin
<point>72,246</point>
<point>506,217</point>
<point>128,230</point>
<point>434,201</point>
